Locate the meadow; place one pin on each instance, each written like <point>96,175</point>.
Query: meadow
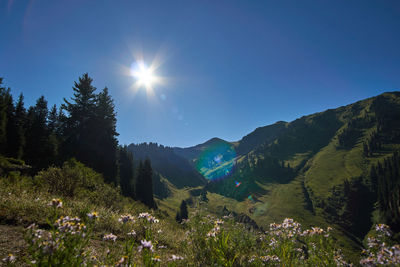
<point>91,224</point>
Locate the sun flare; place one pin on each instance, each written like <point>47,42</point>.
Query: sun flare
<point>144,76</point>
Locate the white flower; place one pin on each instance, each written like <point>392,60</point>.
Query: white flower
<point>93,215</point>
<point>56,203</point>
<point>110,237</point>
<point>145,244</point>
<point>126,218</point>
<point>175,258</point>
<point>132,233</point>
<point>10,258</point>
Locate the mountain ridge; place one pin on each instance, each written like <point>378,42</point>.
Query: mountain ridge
<point>316,169</point>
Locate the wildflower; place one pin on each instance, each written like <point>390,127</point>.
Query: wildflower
<point>152,219</point>
<point>144,215</point>
<point>175,258</point>
<point>273,242</point>
<point>149,218</point>
<point>49,247</point>
<point>213,232</point>
<point>219,222</point>
<point>269,258</point>
<point>71,225</point>
<point>10,258</point>
<point>383,228</point>
<point>162,246</point>
<point>93,215</point>
<point>156,258</point>
<point>132,233</point>
<point>252,258</point>
<point>145,244</point>
<point>126,218</point>
<point>56,203</point>
<point>317,230</point>
<point>122,261</point>
<point>110,237</point>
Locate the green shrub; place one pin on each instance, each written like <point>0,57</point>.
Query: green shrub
<point>68,179</point>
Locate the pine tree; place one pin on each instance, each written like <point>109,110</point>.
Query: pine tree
<point>19,124</point>
<point>144,184</point>
<point>37,136</point>
<point>89,132</point>
<point>126,172</point>
<point>53,123</point>
<point>182,214</point>
<point>10,127</point>
<point>3,118</point>
<point>106,142</point>
<point>79,131</point>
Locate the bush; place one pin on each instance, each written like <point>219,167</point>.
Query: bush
<point>68,180</point>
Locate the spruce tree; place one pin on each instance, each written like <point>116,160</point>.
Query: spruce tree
<point>144,184</point>
<point>105,143</point>
<point>3,118</point>
<point>79,132</point>
<point>182,214</point>
<point>37,135</point>
<point>126,172</point>
<point>89,129</point>
<point>10,127</point>
<point>19,126</point>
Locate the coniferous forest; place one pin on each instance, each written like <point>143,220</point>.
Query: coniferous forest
<point>83,128</point>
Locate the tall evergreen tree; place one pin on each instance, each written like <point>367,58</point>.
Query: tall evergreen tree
<point>53,123</point>
<point>53,143</point>
<point>37,136</point>
<point>19,123</point>
<point>106,142</point>
<point>10,126</point>
<point>78,131</point>
<point>183,212</point>
<point>126,172</point>
<point>3,118</point>
<point>6,106</point>
<point>144,184</point>
<point>89,132</point>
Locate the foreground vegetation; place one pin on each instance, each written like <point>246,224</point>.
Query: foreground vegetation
<point>72,218</point>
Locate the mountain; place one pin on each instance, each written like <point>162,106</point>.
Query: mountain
<point>319,167</point>
<point>337,167</point>
<point>176,169</point>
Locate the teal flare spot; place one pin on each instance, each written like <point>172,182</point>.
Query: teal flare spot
<point>217,161</point>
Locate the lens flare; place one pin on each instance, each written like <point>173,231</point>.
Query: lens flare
<point>217,161</point>
<point>143,74</point>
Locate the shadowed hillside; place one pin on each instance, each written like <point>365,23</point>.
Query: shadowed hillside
<point>167,163</point>
<point>316,169</point>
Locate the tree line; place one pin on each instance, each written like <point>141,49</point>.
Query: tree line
<point>83,127</point>
<point>385,178</point>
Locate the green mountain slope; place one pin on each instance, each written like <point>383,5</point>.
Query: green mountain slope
<point>316,169</point>
<point>176,169</point>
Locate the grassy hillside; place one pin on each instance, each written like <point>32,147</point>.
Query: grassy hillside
<point>315,169</point>
<point>171,166</point>
<point>69,217</point>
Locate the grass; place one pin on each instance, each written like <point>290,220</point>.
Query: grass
<point>206,239</point>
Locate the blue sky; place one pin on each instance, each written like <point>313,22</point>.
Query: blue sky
<point>229,66</point>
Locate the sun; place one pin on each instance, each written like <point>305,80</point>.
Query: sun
<point>144,75</point>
